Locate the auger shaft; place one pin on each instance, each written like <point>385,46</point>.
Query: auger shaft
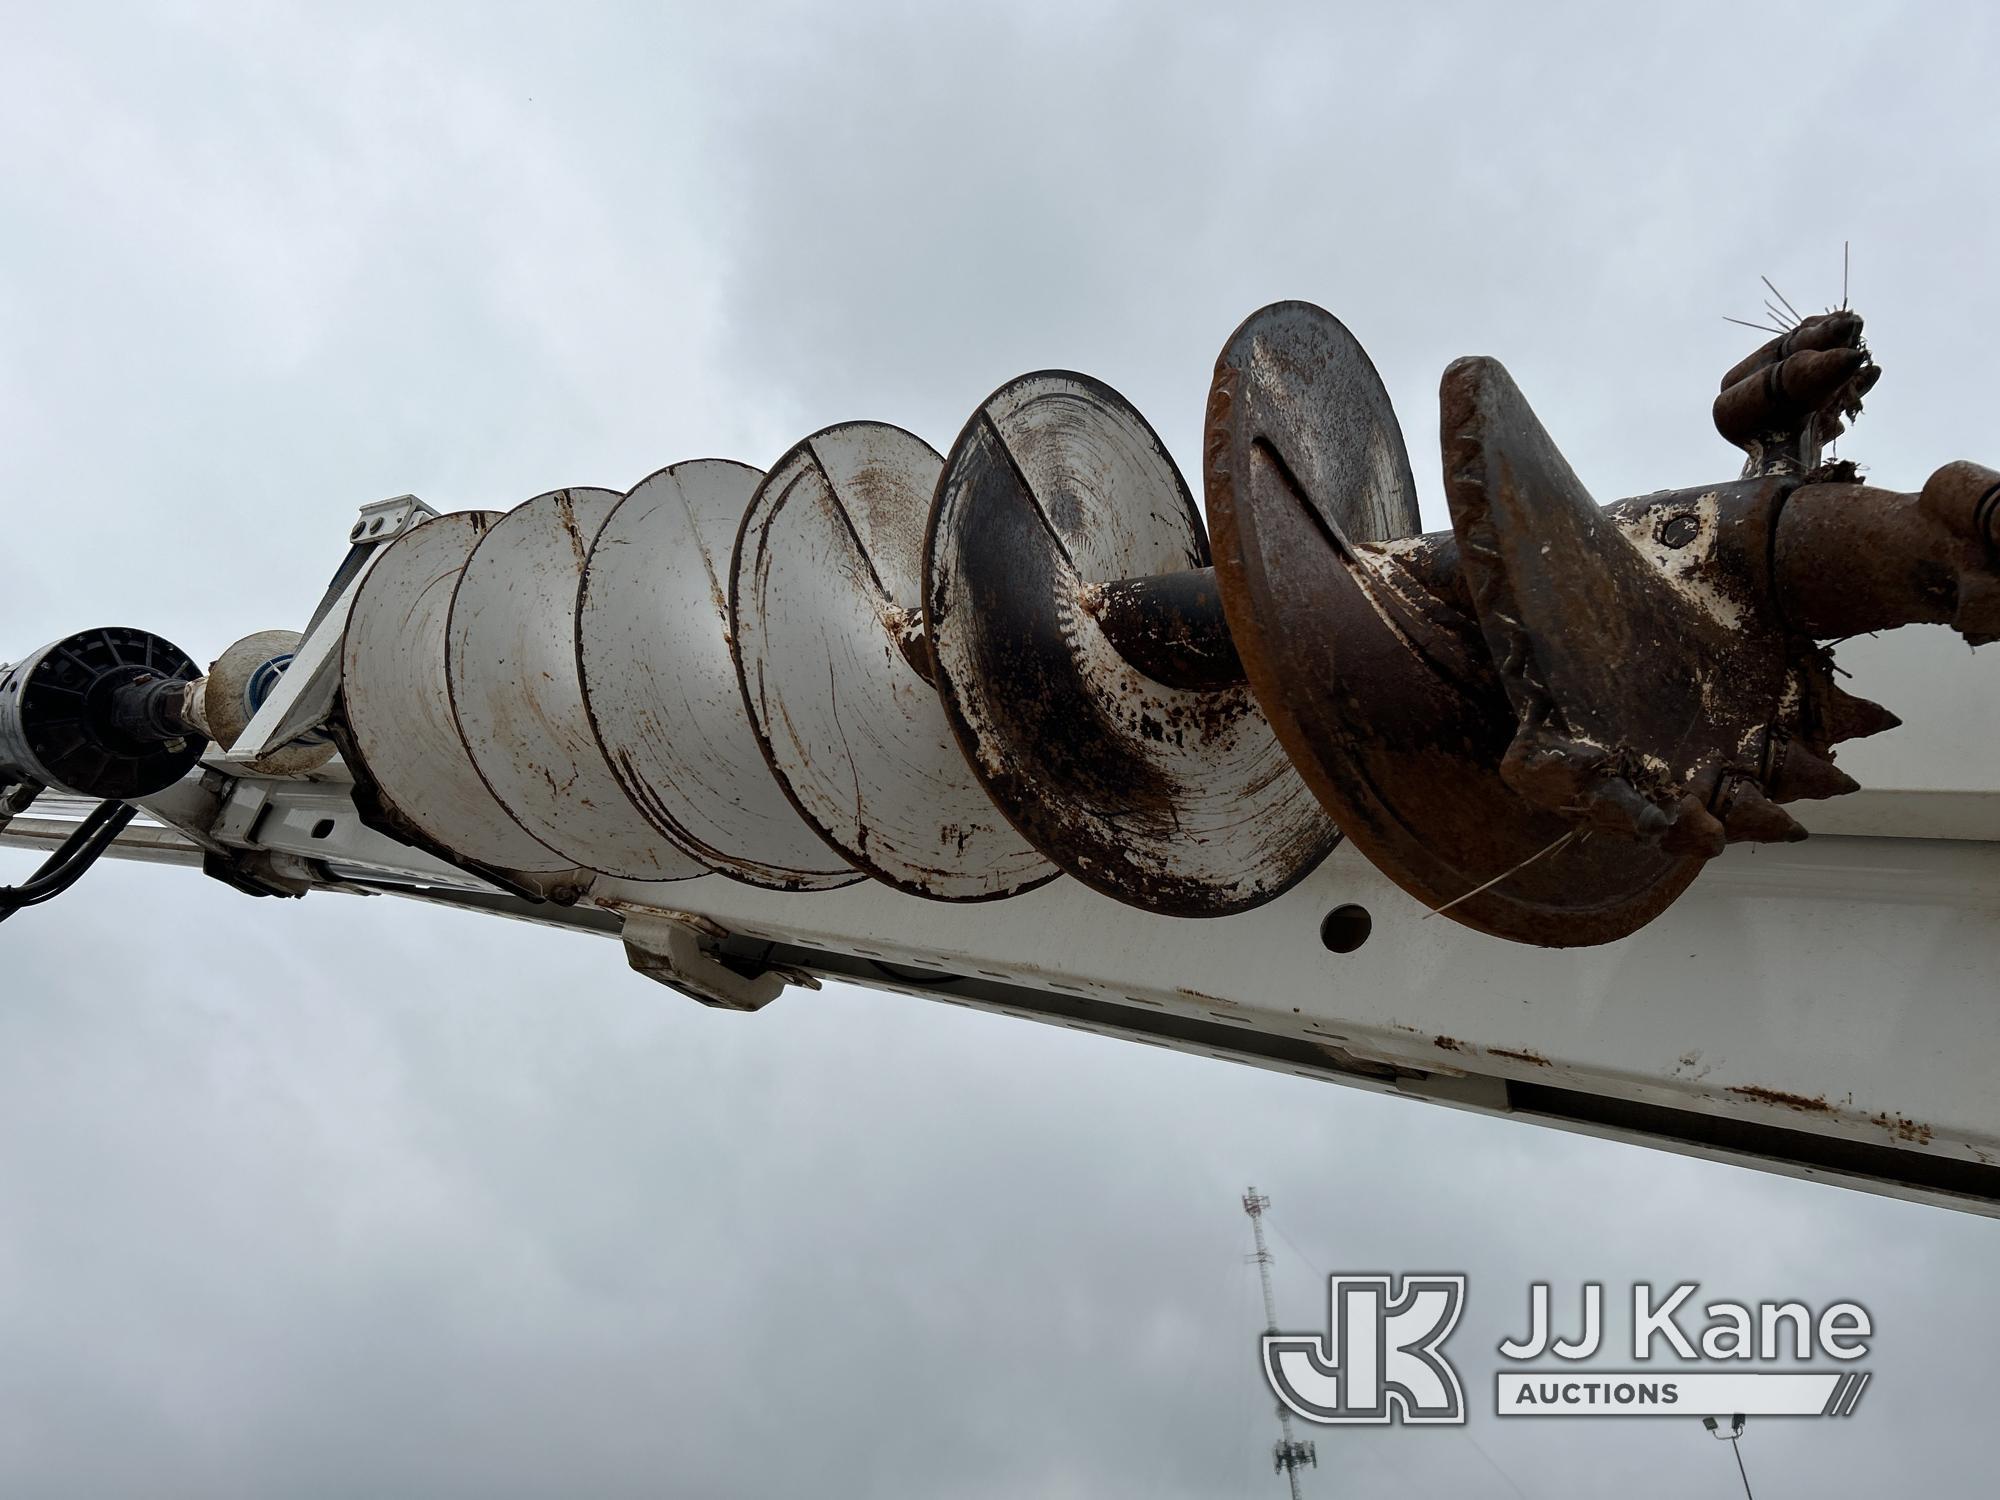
<point>1852,559</point>
<point>1171,627</point>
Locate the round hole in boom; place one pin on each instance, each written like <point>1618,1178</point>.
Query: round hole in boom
<point>1345,928</point>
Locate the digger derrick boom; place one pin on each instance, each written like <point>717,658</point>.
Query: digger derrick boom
<point>1510,817</point>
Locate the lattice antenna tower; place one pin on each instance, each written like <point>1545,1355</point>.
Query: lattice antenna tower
<point>1290,1454</point>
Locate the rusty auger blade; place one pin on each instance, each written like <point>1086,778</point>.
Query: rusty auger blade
<point>1085,666</point>
<point>1367,654</point>
<point>1543,722</point>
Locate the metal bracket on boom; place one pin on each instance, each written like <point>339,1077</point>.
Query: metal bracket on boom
<point>681,950</point>
<point>303,697</point>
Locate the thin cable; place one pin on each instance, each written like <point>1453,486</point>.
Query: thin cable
<point>1304,1259</point>
<point>1476,890</point>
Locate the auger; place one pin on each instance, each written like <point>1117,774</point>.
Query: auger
<point>960,677</point>
<point>1544,722</point>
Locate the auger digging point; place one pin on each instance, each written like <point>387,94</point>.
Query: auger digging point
<point>1545,721</point>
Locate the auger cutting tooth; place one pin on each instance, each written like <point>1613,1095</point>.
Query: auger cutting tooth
<point>1751,817</point>
<point>1798,774</point>
<point>1695,831</point>
<point>1845,716</point>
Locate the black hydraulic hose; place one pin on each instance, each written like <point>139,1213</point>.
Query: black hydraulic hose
<point>66,866</point>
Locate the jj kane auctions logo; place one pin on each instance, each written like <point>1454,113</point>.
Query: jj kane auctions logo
<point>1382,1357</point>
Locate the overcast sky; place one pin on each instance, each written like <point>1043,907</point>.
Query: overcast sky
<point>344,1197</point>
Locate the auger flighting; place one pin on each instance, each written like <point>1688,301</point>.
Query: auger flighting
<point>965,675</point>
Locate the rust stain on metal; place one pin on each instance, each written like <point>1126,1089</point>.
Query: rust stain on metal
<point>1903,1128</point>
<point>566,518</point>
<point>1520,1055</point>
<point>1203,997</point>
<point>1815,1104</point>
<point>1086,668</point>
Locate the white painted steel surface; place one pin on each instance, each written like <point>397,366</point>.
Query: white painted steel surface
<point>827,584</point>
<point>1840,987</point>
<point>510,662</point>
<point>659,682</point>
<point>398,704</point>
